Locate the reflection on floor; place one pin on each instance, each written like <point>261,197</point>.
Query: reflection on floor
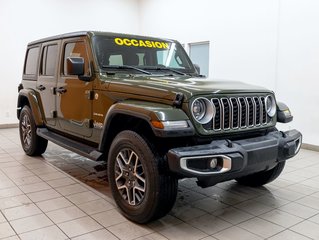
<point>64,196</point>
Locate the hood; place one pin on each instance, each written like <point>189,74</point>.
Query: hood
<point>166,86</point>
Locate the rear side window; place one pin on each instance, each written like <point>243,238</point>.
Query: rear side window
<point>49,60</point>
<point>31,61</point>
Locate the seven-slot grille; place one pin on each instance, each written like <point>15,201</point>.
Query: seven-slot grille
<point>238,112</point>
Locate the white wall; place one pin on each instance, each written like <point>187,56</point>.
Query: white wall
<point>242,34</point>
<point>25,21</point>
<point>298,64</point>
<point>272,43</point>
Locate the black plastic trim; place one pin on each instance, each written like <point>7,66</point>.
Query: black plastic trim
<point>252,154</point>
<point>74,146</point>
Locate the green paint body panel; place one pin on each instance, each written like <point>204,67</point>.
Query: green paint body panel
<point>150,111</point>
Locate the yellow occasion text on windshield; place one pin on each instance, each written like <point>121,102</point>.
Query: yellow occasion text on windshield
<point>140,43</point>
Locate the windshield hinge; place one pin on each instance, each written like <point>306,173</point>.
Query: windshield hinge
<point>178,101</point>
<point>90,94</point>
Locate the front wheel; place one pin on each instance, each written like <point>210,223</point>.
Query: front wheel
<point>140,190</point>
<point>261,178</point>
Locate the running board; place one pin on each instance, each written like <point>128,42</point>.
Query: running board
<point>74,146</point>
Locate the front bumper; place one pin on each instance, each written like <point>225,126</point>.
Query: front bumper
<point>234,158</point>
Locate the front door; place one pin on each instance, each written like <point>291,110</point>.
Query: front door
<point>74,104</point>
<point>47,80</point>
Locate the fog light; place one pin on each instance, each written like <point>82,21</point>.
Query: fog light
<point>213,163</point>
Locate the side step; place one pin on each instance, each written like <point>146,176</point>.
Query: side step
<point>74,146</point>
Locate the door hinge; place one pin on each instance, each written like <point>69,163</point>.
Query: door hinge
<point>53,90</point>
<point>90,94</point>
<point>89,123</point>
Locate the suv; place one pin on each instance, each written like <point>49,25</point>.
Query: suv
<point>139,104</point>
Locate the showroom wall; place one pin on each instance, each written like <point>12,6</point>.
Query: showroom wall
<point>242,34</point>
<point>25,21</point>
<point>272,43</point>
<point>298,64</point>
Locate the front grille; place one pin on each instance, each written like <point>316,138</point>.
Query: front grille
<point>238,113</point>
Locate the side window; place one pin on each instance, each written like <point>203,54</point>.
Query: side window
<point>30,67</point>
<point>116,60</point>
<point>49,60</point>
<point>76,49</point>
<point>141,59</point>
<point>164,57</point>
<point>134,59</point>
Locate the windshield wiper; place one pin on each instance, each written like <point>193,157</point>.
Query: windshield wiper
<point>126,67</point>
<point>167,68</point>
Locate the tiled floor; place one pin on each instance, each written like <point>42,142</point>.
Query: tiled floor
<point>62,196</point>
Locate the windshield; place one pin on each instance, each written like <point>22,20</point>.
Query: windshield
<point>142,53</point>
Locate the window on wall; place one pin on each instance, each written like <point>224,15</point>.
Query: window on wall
<point>199,54</point>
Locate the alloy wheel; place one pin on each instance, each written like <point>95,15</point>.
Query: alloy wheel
<point>130,177</point>
<point>26,131</point>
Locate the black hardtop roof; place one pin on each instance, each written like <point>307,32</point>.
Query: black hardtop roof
<point>93,33</point>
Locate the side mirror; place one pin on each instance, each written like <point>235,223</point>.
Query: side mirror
<point>75,66</point>
<point>197,68</point>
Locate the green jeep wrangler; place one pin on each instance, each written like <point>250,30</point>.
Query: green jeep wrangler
<point>139,104</point>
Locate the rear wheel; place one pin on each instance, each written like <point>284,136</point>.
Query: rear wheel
<point>261,178</point>
<point>32,144</point>
<point>140,190</point>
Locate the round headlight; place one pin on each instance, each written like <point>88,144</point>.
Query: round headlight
<point>203,110</point>
<point>270,104</point>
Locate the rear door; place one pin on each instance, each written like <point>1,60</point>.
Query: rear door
<point>74,96</point>
<point>47,80</point>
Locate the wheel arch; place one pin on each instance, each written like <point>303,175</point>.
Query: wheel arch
<point>120,121</point>
<point>138,116</point>
<point>30,98</point>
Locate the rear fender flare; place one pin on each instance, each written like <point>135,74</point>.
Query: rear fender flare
<point>31,98</point>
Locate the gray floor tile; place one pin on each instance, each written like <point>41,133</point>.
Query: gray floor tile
<point>102,234</point>
<point>299,210</point>
<point>261,227</point>
<point>48,233</point>
<point>236,233</point>
<point>287,234</point>
<point>281,218</point>
<point>183,231</point>
<point>128,230</point>
<point>60,184</point>
<point>232,215</point>
<point>308,229</point>
<point>209,224</point>
<point>79,226</point>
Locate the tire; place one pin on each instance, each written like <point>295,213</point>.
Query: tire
<point>139,189</point>
<point>262,178</point>
<point>32,144</point>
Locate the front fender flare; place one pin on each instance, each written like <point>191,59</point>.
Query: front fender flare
<point>148,112</point>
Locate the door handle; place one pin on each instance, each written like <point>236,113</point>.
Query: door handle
<point>60,90</point>
<point>41,87</point>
